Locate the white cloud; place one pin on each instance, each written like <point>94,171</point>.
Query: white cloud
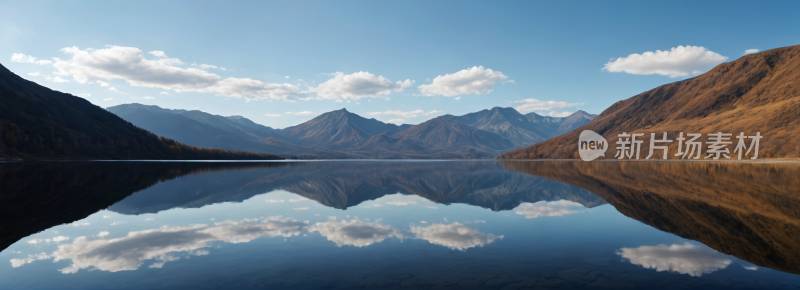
<point>208,66</point>
<point>286,77</point>
<point>356,86</point>
<point>303,113</point>
<point>85,96</point>
<point>302,208</point>
<point>272,115</point>
<point>129,64</point>
<point>274,201</point>
<point>159,54</point>
<point>355,232</point>
<point>109,99</point>
<point>531,104</point>
<point>548,208</point>
<point>458,98</point>
<point>164,93</point>
<point>59,80</point>
<point>396,121</point>
<point>18,57</point>
<point>253,89</point>
<point>34,74</point>
<point>561,114</point>
<point>750,51</point>
<point>676,62</point>
<point>694,260</point>
<point>103,234</point>
<point>454,236</point>
<point>476,80</point>
<point>19,262</point>
<point>57,239</point>
<point>113,89</point>
<point>127,253</point>
<point>409,114</point>
<point>148,98</point>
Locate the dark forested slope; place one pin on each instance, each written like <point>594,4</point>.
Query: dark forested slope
<point>37,122</point>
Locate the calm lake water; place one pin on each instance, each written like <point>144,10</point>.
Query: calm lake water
<point>399,224</point>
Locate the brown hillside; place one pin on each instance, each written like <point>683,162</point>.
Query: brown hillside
<point>755,93</point>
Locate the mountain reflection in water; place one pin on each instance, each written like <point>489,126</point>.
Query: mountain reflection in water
<point>462,224</point>
<point>751,211</point>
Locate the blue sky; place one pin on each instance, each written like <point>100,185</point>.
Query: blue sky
<point>548,57</point>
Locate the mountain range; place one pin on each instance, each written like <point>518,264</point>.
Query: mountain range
<point>37,122</point>
<point>343,134</point>
<point>756,93</point>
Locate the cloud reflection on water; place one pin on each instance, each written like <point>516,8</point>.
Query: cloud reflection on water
<point>694,260</point>
<point>19,262</point>
<point>355,232</point>
<point>455,236</point>
<point>548,208</point>
<point>130,252</point>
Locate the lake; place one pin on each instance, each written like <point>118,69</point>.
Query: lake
<point>399,224</point>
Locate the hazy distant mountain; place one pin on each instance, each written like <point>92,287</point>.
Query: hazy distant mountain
<point>572,122</point>
<point>342,134</point>
<point>523,130</point>
<point>437,138</point>
<point>338,129</point>
<point>213,131</point>
<point>38,122</point>
<point>449,135</point>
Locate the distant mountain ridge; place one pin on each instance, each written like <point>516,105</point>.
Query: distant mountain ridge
<point>442,132</point>
<point>523,130</point>
<point>343,134</point>
<point>212,131</point>
<point>338,129</point>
